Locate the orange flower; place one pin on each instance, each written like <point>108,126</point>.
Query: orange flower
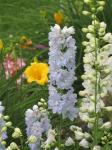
<point>58,17</point>
<point>25,43</point>
<point>37,72</point>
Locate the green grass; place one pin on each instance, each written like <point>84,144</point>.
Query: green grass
<point>24,17</point>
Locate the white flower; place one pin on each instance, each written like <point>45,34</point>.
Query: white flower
<point>8,148</point>
<point>50,138</point>
<point>97,147</point>
<point>84,143</point>
<point>73,128</point>
<point>103,25</point>
<point>84,116</point>
<point>109,108</point>
<point>68,31</point>
<point>69,142</point>
<point>108,38</point>
<point>107,125</point>
<point>56,148</point>
<point>79,135</point>
<point>87,135</point>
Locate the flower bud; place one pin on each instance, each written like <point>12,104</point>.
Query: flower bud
<point>101,33</point>
<point>84,43</point>
<point>32,139</point>
<point>86,13</point>
<point>100,8</point>
<point>13,146</point>
<point>101,30</point>
<point>43,110</point>
<point>15,135</point>
<point>89,35</point>
<point>82,93</point>
<point>93,16</point>
<point>103,25</point>
<point>4,129</point>
<point>8,124</point>
<point>3,142</point>
<point>87,1</point>
<point>6,117</point>
<point>40,104</point>
<point>93,9</point>
<point>42,100</point>
<point>35,107</point>
<point>17,130</point>
<point>91,28</point>
<point>101,3</point>
<point>85,30</point>
<point>96,23</point>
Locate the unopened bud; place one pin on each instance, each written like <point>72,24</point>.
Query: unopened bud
<point>32,139</point>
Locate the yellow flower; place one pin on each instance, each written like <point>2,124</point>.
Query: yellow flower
<point>58,17</point>
<point>1,44</point>
<point>37,72</point>
<point>23,38</point>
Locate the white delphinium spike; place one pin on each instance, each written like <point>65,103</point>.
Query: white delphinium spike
<point>50,138</point>
<point>103,84</point>
<point>97,77</point>
<point>62,72</point>
<point>3,128</point>
<point>37,123</point>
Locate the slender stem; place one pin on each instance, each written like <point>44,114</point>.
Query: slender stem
<point>59,133</point>
<point>96,88</point>
<point>21,141</point>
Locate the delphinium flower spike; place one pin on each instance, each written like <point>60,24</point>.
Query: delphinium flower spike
<point>62,72</point>
<point>96,79</point>
<point>37,123</point>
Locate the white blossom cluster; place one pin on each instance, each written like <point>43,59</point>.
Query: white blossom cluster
<point>98,71</point>
<point>3,133</point>
<point>96,79</point>
<point>37,123</point>
<point>62,71</point>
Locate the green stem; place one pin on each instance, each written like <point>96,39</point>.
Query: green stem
<point>96,89</point>
<point>59,133</point>
<point>22,143</point>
